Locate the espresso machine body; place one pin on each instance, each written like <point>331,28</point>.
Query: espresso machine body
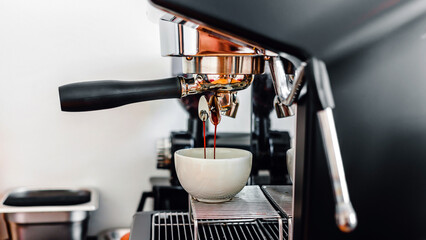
<point>374,51</point>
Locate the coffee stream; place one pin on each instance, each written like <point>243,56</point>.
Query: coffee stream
<point>215,122</point>
<point>214,142</point>
<point>204,134</point>
<point>215,119</point>
<point>214,148</point>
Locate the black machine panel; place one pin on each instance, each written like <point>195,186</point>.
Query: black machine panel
<point>302,28</point>
<point>381,124</point>
<point>381,120</point>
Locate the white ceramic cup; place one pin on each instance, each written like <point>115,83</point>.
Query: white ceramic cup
<point>213,180</point>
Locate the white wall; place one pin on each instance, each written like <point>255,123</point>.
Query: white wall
<point>48,43</point>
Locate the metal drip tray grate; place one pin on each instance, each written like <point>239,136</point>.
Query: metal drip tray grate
<point>249,203</point>
<point>179,226</point>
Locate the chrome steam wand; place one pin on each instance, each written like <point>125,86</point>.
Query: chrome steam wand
<point>287,87</point>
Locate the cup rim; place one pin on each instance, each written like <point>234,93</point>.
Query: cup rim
<point>179,152</point>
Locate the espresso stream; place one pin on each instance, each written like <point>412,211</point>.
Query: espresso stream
<point>215,119</point>
<point>204,135</point>
<point>214,142</point>
<point>215,122</point>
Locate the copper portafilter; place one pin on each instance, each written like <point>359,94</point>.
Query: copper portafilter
<point>98,95</point>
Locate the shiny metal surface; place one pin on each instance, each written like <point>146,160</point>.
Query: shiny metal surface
<point>229,103</point>
<point>322,82</point>
<point>42,217</point>
<point>203,109</point>
<point>218,63</point>
<point>184,38</point>
<point>63,231</point>
<point>178,225</point>
<point>249,204</point>
<point>225,87</point>
<point>282,197</point>
<point>287,86</point>
<point>345,214</point>
<point>215,83</point>
<point>281,109</point>
<point>279,78</point>
<point>290,229</point>
<point>223,64</point>
<point>214,110</point>
<point>290,158</point>
<point>296,83</point>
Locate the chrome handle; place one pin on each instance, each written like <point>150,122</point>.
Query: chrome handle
<point>345,214</point>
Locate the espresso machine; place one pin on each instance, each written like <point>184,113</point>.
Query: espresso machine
<point>221,47</point>
<point>215,61</point>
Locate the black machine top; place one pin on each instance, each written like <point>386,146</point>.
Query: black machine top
<point>303,28</point>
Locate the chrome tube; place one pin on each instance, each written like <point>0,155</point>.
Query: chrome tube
<point>345,214</point>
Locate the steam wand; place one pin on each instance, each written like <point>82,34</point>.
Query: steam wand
<point>345,215</point>
<point>288,83</point>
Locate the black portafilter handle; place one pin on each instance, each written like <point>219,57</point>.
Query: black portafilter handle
<point>97,95</point>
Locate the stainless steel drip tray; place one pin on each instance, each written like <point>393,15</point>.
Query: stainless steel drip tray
<point>249,215</point>
<point>249,206</point>
<point>178,225</point>
<point>249,203</point>
<point>281,197</point>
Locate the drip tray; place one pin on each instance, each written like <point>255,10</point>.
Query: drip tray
<point>281,197</point>
<point>178,225</point>
<point>249,203</point>
<point>248,216</point>
<point>249,206</point>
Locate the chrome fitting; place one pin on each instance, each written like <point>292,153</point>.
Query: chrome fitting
<point>281,109</point>
<point>287,85</point>
<point>201,83</point>
<point>228,102</point>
